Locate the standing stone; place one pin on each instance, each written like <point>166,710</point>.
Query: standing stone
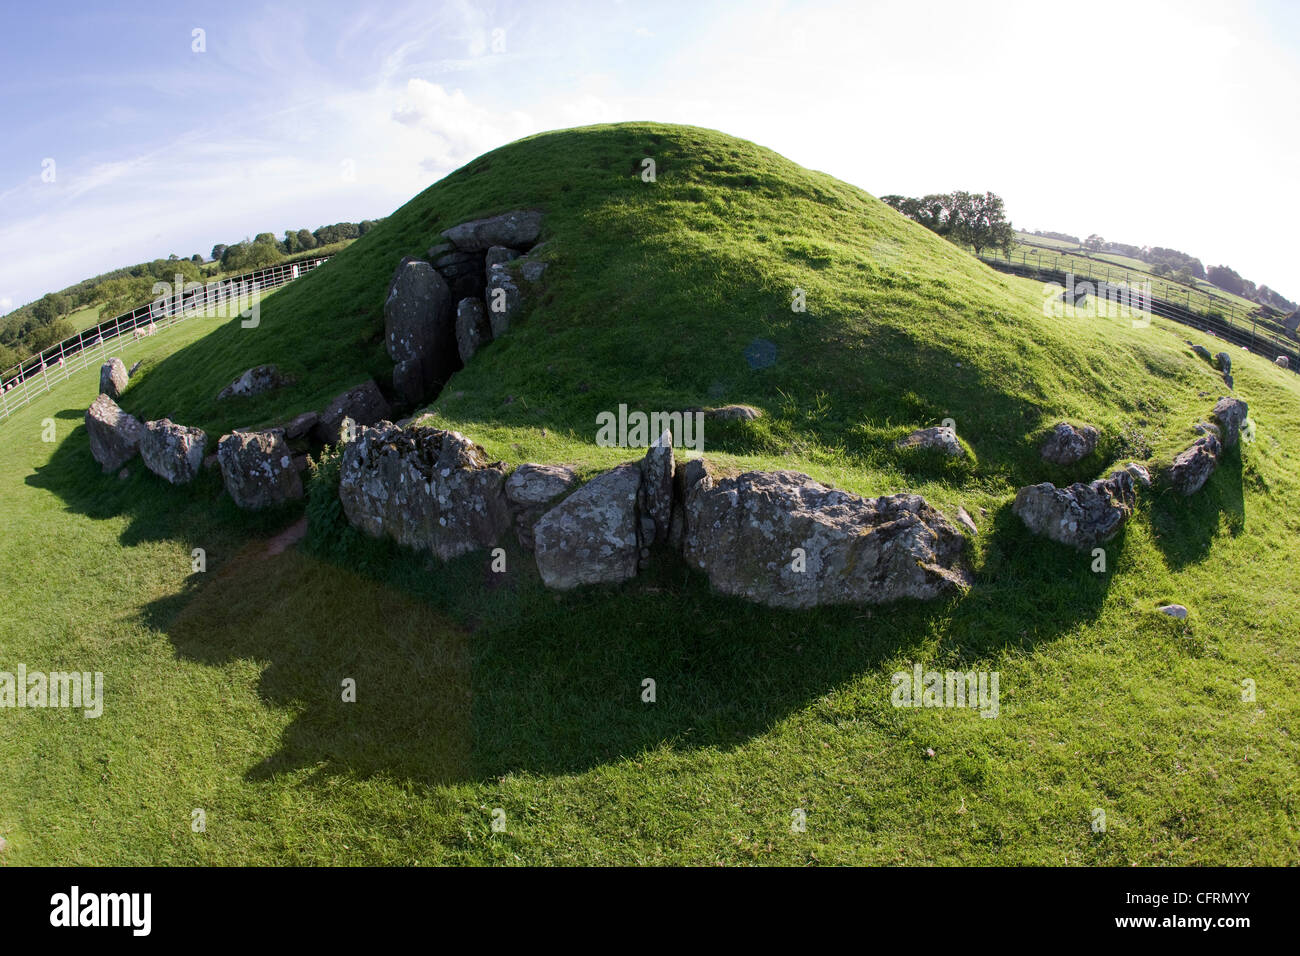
<point>364,404</point>
<point>532,490</point>
<point>656,494</point>
<point>1224,362</point>
<point>1068,444</point>
<point>113,378</point>
<point>1081,516</point>
<point>1229,414</point>
<point>173,451</point>
<point>1204,353</point>
<point>503,300</point>
<point>1193,467</point>
<point>591,537</point>
<point>519,229</point>
<point>473,330</point>
<point>425,488</point>
<point>784,540</point>
<point>257,468</point>
<point>114,435</point>
<point>419,330</point>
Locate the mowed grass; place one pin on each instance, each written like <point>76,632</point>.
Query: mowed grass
<point>479,691</point>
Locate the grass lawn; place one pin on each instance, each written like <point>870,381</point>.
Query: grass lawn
<point>479,691</point>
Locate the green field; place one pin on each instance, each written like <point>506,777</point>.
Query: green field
<point>479,692</point>
<point>1201,296</point>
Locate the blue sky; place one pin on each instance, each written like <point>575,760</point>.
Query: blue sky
<point>296,115</point>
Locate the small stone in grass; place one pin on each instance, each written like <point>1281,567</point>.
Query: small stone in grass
<point>929,752</point>
<point>1174,610</point>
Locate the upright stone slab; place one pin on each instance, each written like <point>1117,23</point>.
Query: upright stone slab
<point>592,536</point>
<point>258,469</point>
<point>425,488</point>
<point>784,540</point>
<point>113,378</point>
<point>172,451</point>
<point>114,435</point>
<point>419,330</point>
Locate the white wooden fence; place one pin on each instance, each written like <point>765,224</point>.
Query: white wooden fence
<point>21,383</point>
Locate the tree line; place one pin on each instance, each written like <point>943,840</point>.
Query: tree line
<point>36,326</point>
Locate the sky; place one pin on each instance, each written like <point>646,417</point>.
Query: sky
<point>131,133</point>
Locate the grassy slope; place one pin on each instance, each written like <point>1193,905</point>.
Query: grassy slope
<point>479,691</point>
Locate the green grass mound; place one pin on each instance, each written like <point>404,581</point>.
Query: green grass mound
<point>479,690</point>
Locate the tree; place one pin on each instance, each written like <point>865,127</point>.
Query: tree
<point>1226,279</point>
<point>980,222</point>
<point>197,259</point>
<point>965,218</point>
<point>305,239</point>
<point>1094,243</point>
<point>218,251</point>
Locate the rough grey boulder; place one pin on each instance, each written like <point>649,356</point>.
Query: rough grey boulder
<point>173,451</point>
<point>113,378</point>
<point>1082,516</point>
<point>519,228</point>
<point>503,300</point>
<point>1068,444</point>
<point>425,488</point>
<point>301,425</point>
<point>1192,468</point>
<point>1223,361</point>
<point>258,469</point>
<point>1173,610</point>
<point>364,404</point>
<point>782,539</point>
<point>532,490</point>
<point>1139,473</point>
<point>592,536</point>
<point>114,435</point>
<point>940,437</point>
<point>473,330</point>
<point>255,381</point>
<point>655,503</point>
<point>532,269</point>
<point>1204,353</point>
<point>1229,414</point>
<point>499,254</point>
<point>419,330</point>
<point>725,413</point>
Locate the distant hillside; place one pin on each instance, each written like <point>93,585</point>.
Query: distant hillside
<point>57,315</point>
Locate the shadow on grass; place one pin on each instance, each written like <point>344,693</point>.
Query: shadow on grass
<point>464,674</point>
<point>1184,527</point>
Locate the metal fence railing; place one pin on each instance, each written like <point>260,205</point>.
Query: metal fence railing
<point>1240,327</point>
<point>21,383</point>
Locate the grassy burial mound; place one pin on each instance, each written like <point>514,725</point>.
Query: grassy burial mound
<point>665,718</point>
